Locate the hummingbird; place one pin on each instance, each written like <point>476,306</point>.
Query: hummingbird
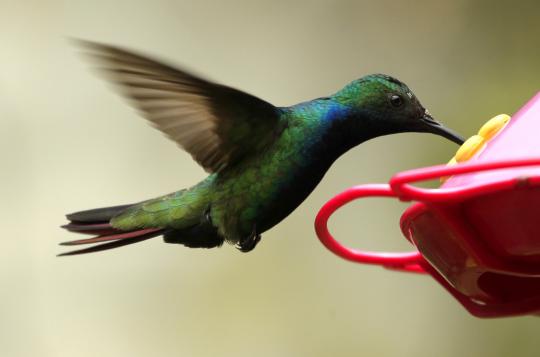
<point>263,160</point>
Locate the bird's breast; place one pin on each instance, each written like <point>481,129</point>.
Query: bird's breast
<point>263,190</point>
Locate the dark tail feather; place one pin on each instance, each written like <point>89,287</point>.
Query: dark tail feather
<point>117,236</point>
<point>96,222</point>
<point>141,235</point>
<point>96,215</point>
<point>90,228</point>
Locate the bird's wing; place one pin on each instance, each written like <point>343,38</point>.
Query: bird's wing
<point>217,125</point>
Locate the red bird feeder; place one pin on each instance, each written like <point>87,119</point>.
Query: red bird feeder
<point>478,234</point>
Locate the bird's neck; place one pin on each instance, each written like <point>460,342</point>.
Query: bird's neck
<point>315,134</point>
<point>331,128</point>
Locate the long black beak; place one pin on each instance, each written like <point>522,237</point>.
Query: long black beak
<point>435,127</point>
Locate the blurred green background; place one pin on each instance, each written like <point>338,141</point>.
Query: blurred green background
<point>70,143</point>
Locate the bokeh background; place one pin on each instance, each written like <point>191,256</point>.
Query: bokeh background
<point>69,143</point>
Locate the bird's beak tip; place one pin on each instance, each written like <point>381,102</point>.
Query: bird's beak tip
<point>438,128</point>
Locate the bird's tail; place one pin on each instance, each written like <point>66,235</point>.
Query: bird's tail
<point>96,222</point>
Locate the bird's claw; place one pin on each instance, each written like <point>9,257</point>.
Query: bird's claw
<point>248,243</point>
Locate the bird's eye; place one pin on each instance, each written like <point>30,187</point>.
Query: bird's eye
<point>396,100</point>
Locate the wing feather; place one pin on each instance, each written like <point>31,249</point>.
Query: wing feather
<point>217,125</point>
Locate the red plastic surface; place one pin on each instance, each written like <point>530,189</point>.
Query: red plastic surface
<point>400,261</point>
<point>478,234</point>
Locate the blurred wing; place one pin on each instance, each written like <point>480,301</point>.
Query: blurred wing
<point>217,125</point>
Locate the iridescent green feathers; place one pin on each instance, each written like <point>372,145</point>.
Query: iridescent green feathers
<point>177,210</point>
<point>371,90</point>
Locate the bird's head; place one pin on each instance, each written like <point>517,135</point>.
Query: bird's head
<point>384,105</point>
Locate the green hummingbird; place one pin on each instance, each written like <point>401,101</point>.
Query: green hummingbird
<point>263,160</point>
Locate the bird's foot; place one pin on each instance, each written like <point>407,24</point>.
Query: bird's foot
<point>248,243</point>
